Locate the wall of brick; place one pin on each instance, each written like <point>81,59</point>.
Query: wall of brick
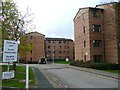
<point>109,31</point>
<point>63,48</point>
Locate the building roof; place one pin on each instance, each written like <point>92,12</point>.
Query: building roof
<point>58,39</point>
<point>106,4</point>
<point>35,32</point>
<point>87,8</point>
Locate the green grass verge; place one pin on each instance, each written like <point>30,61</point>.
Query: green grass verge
<point>62,62</point>
<point>113,71</point>
<point>20,76</point>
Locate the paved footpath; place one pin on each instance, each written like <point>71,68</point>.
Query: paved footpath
<point>42,82</point>
<point>99,72</point>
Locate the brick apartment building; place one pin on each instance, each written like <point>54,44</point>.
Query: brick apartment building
<point>59,48</point>
<point>37,44</point>
<point>43,47</point>
<point>96,32</point>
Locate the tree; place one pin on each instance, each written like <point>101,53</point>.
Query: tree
<point>10,20</point>
<point>24,47</point>
<point>13,23</point>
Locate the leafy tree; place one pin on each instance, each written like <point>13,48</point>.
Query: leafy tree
<point>10,21</point>
<point>13,24</point>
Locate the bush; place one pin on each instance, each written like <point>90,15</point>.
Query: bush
<point>99,66</point>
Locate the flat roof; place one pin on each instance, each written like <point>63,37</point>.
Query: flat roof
<point>58,39</point>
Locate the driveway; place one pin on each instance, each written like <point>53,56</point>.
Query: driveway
<point>63,76</point>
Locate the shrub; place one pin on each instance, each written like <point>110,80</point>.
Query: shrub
<point>99,66</point>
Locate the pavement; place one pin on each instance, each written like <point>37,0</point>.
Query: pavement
<point>99,72</point>
<point>42,81</point>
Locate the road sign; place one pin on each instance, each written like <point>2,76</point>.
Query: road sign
<point>9,57</point>
<point>10,46</point>
<point>8,75</point>
<point>10,51</point>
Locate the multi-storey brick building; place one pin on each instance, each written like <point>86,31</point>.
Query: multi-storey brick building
<point>42,47</point>
<point>96,33</point>
<point>59,48</point>
<point>37,46</point>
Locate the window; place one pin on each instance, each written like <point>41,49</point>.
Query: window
<point>31,59</point>
<point>64,42</point>
<point>49,52</point>
<point>84,43</point>
<point>84,29</point>
<point>31,51</point>
<point>60,42</point>
<point>49,47</point>
<point>97,43</point>
<point>49,41</point>
<point>68,52</point>
<point>98,58</point>
<point>85,58</point>
<point>64,52</point>
<point>96,28</point>
<point>60,52</point>
<point>64,47</point>
<point>68,47</point>
<point>83,15</point>
<point>60,47</point>
<point>94,13</point>
<point>53,41</point>
<point>54,52</point>
<point>31,37</point>
<point>68,57</point>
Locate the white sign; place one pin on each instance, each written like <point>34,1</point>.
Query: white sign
<point>9,57</point>
<point>67,59</point>
<point>10,51</point>
<point>8,75</point>
<point>10,46</point>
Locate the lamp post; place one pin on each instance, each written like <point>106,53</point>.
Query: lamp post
<point>53,50</point>
<point>82,54</point>
<point>86,55</point>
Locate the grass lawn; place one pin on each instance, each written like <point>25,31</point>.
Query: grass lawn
<point>62,62</point>
<point>113,71</point>
<point>20,76</point>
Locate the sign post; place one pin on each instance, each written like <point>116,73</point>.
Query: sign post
<point>9,55</point>
<point>27,76</point>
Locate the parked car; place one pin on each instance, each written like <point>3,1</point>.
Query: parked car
<point>42,61</point>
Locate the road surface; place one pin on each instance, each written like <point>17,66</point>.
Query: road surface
<point>62,76</point>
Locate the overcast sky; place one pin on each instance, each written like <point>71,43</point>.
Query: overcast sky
<point>54,18</point>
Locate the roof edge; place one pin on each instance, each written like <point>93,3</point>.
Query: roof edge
<point>34,32</point>
<point>107,3</point>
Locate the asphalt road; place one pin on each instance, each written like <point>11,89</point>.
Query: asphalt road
<point>60,76</point>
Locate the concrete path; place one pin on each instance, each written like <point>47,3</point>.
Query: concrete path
<point>42,82</point>
<point>99,72</point>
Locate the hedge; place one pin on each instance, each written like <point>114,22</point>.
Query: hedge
<point>99,66</point>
